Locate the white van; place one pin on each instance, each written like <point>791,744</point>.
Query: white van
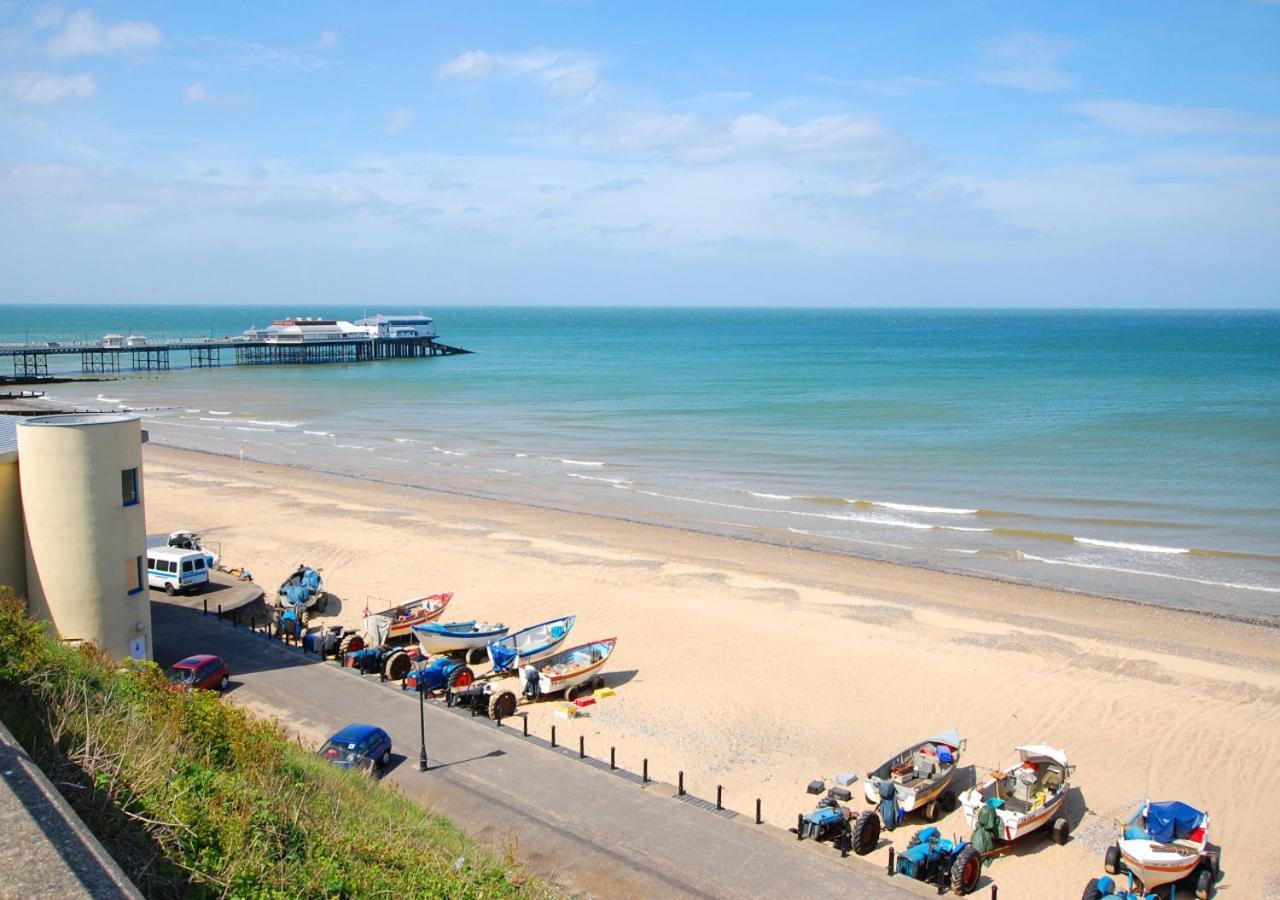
<point>175,569</point>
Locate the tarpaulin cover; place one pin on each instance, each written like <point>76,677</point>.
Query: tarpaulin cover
<point>889,812</point>
<point>503,657</point>
<point>377,629</point>
<point>1171,820</point>
<point>984,836</point>
<point>295,593</point>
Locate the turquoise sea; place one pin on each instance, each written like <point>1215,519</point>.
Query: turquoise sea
<point>1132,454</point>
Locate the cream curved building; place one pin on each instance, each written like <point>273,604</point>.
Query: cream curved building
<point>84,528</point>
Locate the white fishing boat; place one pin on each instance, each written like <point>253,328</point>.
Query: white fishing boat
<point>568,670</point>
<point>404,615</point>
<point>451,637</point>
<point>1163,843</point>
<point>1025,794</point>
<point>920,775</point>
<point>529,645</point>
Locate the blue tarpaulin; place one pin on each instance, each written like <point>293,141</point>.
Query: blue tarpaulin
<point>1171,820</point>
<point>890,814</point>
<point>503,657</point>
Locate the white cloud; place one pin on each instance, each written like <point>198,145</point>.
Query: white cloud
<point>1027,60</point>
<point>44,89</point>
<point>327,40</point>
<point>198,93</point>
<point>84,35</point>
<point>897,86</point>
<point>564,75</point>
<point>1147,118</point>
<point>251,55</point>
<point>399,119</point>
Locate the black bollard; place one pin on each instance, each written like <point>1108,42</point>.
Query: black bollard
<point>526,726</point>
<point>680,786</point>
<point>800,827</point>
<point>613,757</point>
<point>582,747</point>
<point>889,871</point>
<point>205,600</point>
<point>719,796</point>
<point>219,612</point>
<point>759,821</point>
<point>253,624</point>
<point>995,891</point>
<point>553,736</point>
<point>646,770</point>
<point>497,717</point>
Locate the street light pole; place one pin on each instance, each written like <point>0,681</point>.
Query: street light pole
<point>422,717</point>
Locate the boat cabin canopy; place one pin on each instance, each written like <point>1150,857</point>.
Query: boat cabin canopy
<point>1042,752</point>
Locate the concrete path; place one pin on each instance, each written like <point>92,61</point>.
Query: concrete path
<point>46,850</point>
<point>590,830</point>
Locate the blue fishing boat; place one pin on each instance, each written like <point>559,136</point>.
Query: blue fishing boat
<point>450,637</point>
<point>529,644</point>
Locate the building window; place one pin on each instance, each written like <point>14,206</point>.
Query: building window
<point>129,486</point>
<point>133,573</point>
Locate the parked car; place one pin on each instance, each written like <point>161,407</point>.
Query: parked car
<point>358,747</point>
<point>201,672</point>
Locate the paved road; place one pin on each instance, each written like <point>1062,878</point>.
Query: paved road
<point>589,830</point>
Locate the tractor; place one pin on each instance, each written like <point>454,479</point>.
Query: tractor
<point>838,824</point>
<point>483,697</point>
<point>441,674</point>
<point>931,858</point>
<point>302,594</point>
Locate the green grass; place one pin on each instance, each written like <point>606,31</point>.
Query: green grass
<point>195,797</point>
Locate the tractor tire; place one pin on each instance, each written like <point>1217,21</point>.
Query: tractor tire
<point>322,602</point>
<point>350,643</point>
<point>1111,860</point>
<point>1091,891</point>
<point>276,613</point>
<point>168,588</point>
<point>461,677</point>
<point>476,656</point>
<point>597,683</point>
<point>865,834</point>
<point>396,665</point>
<point>931,811</point>
<point>1059,831</point>
<point>1204,885</point>
<point>950,801</point>
<point>502,705</point>
<point>304,616</point>
<point>966,871</point>
<point>1213,859</point>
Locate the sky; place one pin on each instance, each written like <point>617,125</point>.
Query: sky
<point>598,153</point>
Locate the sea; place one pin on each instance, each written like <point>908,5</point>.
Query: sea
<point>1132,454</point>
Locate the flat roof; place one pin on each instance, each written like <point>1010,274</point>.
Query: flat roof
<point>80,419</point>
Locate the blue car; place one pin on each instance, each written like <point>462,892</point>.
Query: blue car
<point>358,747</point>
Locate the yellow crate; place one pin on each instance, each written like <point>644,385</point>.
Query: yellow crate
<point>566,711</point>
<point>603,692</point>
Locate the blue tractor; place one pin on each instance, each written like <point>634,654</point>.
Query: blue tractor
<point>931,858</point>
<point>1106,887</point>
<point>442,674</point>
<point>837,824</point>
<point>301,595</point>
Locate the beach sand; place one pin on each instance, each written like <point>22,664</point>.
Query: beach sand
<point>760,668</point>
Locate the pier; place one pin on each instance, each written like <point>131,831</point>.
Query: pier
<point>31,361</point>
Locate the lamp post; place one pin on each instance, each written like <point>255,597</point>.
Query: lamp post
<point>422,716</point>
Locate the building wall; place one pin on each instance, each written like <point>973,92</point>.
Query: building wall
<point>82,540</point>
<point>13,554</point>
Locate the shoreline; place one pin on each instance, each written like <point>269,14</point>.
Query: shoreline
<point>1271,623</point>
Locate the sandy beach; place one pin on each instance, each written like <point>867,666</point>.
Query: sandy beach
<point>760,668</point>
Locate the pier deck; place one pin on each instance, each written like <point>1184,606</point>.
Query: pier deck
<point>32,360</point>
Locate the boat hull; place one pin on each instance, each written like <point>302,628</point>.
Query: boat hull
<point>1157,864</point>
<point>543,644</point>
<point>403,629</point>
<point>434,640</point>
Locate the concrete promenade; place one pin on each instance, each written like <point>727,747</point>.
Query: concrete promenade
<point>590,830</point>
<point>45,849</point>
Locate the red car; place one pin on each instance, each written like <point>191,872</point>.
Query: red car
<point>203,672</point>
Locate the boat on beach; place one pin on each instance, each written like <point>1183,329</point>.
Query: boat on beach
<point>919,776</point>
<point>418,611</point>
<point>528,645</point>
<point>452,637</point>
<point>1024,795</point>
<point>1162,843</point>
<point>568,670</point>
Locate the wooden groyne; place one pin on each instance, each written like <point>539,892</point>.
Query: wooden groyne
<point>32,360</point>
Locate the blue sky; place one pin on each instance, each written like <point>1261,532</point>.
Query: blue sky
<point>937,154</point>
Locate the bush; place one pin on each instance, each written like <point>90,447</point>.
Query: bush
<point>195,797</point>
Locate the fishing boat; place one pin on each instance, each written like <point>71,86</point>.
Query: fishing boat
<point>529,644</point>
<point>418,611</point>
<point>1163,843</point>
<point>920,776</point>
<point>568,670</point>
<point>1024,795</point>
<point>451,637</point>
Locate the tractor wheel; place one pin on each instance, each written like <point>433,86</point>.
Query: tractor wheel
<point>168,588</point>
<point>950,801</point>
<point>597,683</point>
<point>966,871</point>
<point>1092,891</point>
<point>931,810</point>
<point>1204,885</point>
<point>502,705</point>
<point>865,833</point>
<point>1059,831</point>
<point>349,644</point>
<point>397,665</point>
<point>571,693</point>
<point>322,602</point>
<point>1111,860</point>
<point>276,613</point>
<point>1213,860</point>
<point>461,677</point>
<point>476,655</point>
<point>304,616</point>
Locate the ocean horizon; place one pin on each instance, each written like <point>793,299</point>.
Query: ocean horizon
<point>1128,453</point>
